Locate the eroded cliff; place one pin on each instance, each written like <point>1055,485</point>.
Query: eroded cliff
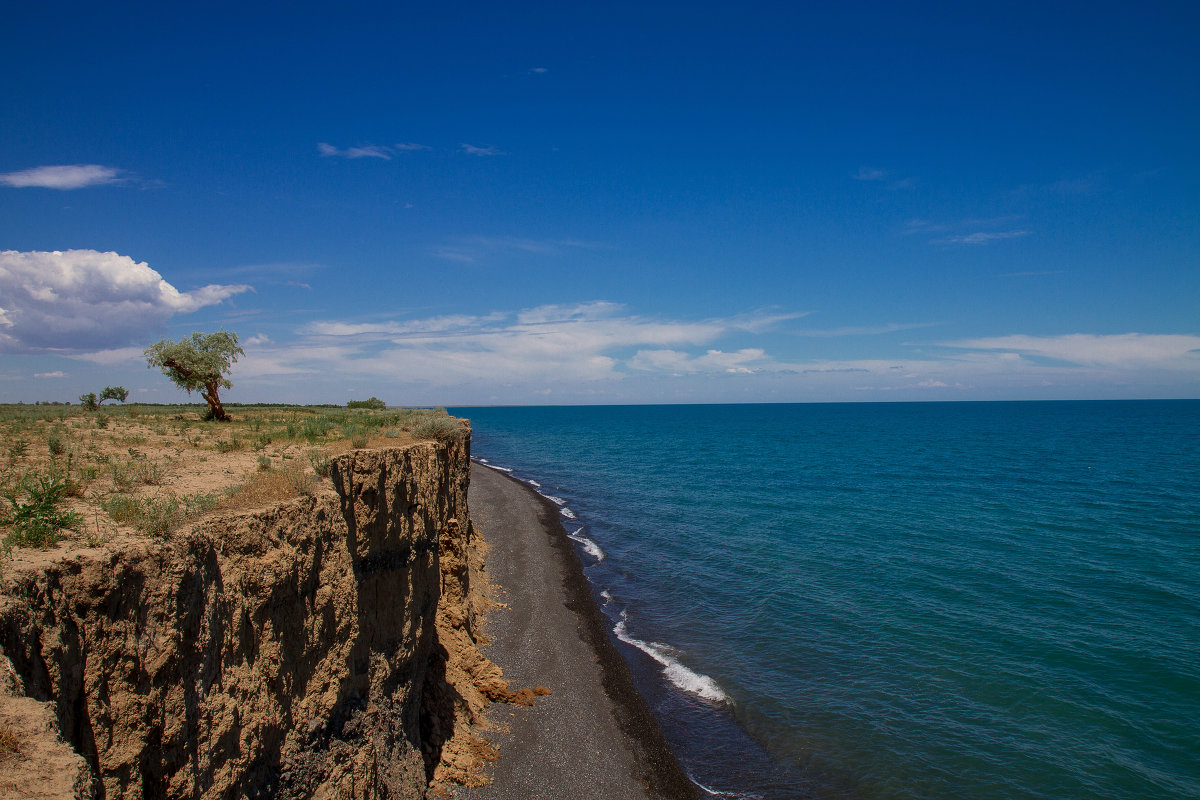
<point>283,652</point>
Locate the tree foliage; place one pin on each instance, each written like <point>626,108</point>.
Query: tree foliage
<point>199,364</point>
<point>118,393</point>
<point>373,403</point>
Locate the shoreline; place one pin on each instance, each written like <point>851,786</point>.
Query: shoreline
<point>596,729</point>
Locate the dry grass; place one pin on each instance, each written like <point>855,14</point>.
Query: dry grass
<point>10,744</point>
<point>151,469</point>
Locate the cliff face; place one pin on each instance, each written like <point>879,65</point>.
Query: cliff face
<point>279,653</point>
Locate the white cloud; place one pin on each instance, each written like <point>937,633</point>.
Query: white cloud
<point>983,237</point>
<point>547,344</point>
<point>539,70</point>
<point>477,248</point>
<point>488,150</point>
<point>58,373</point>
<point>410,146</point>
<point>86,301</point>
<point>1114,350</point>
<point>743,362</point>
<point>67,176</point>
<point>364,151</point>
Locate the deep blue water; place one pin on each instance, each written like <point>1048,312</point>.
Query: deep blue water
<point>964,600</point>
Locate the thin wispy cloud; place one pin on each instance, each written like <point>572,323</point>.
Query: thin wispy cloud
<point>1030,273</point>
<point>487,150</point>
<point>539,70</point>
<point>870,174</point>
<point>411,146</point>
<point>876,175</point>
<point>363,151</point>
<point>63,177</point>
<point>58,373</point>
<point>478,248</point>
<point>984,237</point>
<point>1126,349</point>
<point>864,330</point>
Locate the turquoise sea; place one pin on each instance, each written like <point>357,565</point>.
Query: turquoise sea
<point>961,600</point>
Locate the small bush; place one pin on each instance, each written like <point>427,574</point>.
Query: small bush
<point>443,429</point>
<point>373,403</point>
<point>34,515</point>
<point>88,401</point>
<point>264,463</point>
<point>57,441</point>
<point>320,463</point>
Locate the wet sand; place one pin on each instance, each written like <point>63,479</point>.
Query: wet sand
<point>594,737</point>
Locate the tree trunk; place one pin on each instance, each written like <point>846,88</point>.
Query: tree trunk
<point>215,409</point>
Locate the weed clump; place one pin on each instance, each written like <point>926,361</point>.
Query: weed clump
<point>443,429</point>
<point>34,514</point>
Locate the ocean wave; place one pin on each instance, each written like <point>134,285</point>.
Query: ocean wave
<point>535,484</point>
<point>558,501</point>
<point>719,793</point>
<point>498,469</point>
<point>568,513</point>
<point>589,547</point>
<point>675,671</point>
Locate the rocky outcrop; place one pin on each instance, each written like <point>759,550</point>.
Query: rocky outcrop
<point>279,653</point>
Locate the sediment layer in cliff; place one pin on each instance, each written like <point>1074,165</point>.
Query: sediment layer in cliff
<point>294,651</point>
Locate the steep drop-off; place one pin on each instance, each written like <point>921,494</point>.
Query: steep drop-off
<point>283,652</point>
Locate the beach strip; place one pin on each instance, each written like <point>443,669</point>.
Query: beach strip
<point>594,737</point>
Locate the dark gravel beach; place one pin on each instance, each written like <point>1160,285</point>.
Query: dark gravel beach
<point>594,737</point>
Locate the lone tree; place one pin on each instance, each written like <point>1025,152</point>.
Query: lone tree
<point>118,393</point>
<point>199,364</point>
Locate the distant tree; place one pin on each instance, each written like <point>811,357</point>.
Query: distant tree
<point>199,364</point>
<point>118,393</point>
<point>88,400</point>
<point>373,403</point>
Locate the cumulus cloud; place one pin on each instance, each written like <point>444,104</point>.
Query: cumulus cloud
<point>67,176</point>
<point>1113,350</point>
<point>86,301</point>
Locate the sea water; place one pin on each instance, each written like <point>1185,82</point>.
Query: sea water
<point>964,600</point>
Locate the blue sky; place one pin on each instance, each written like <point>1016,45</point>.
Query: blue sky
<point>610,202</point>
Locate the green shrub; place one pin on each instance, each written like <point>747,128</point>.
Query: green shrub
<point>320,463</point>
<point>34,514</point>
<point>373,403</point>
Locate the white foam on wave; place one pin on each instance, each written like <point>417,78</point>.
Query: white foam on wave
<point>589,547</point>
<point>498,469</point>
<point>718,793</point>
<point>568,513</point>
<point>558,501</point>
<point>676,672</point>
<point>535,484</point>
<point>604,592</point>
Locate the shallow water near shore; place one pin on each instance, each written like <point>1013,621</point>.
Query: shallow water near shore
<point>985,600</point>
